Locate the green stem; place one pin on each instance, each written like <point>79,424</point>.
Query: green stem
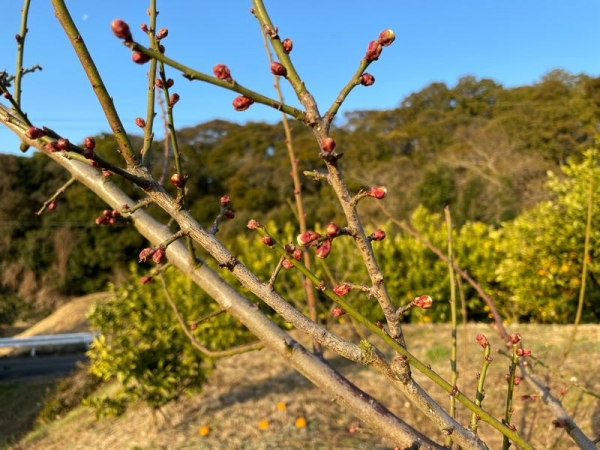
<point>20,51</point>
<point>453,366</point>
<point>64,17</point>
<point>509,395</point>
<point>150,113</point>
<point>480,395</point>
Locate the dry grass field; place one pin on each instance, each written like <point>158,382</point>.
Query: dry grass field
<point>253,401</point>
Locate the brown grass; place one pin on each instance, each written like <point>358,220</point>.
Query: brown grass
<point>246,389</point>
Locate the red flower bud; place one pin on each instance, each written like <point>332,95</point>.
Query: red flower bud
<point>159,255</point>
<point>63,144</point>
<point>323,249</point>
<point>342,289</point>
<point>107,173</point>
<point>89,142</point>
<point>332,230</point>
<point>287,264</point>
<point>482,341</point>
<point>140,122</point>
<point>145,254</point>
<point>146,280</point>
<point>193,326</point>
<point>174,99</point>
<point>34,133</point>
<point>121,30</point>
<point>377,192</point>
<point>377,235</point>
<point>297,254</point>
<point>242,103</point>
<point>287,45</point>
<point>424,301</point>
<point>338,311</point>
<point>222,72</point>
<point>178,180</point>
<point>139,58</point>
<point>373,51</point>
<point>307,238</point>
<point>51,147</point>
<point>267,240</point>
<point>517,380</point>
<point>278,69</point>
<point>158,83</point>
<point>327,145</point>
<point>225,201</point>
<point>170,82</point>
<point>514,338</point>
<point>367,79</point>
<point>253,224</point>
<point>52,206</point>
<point>144,27</point>
<point>162,33</point>
<point>229,214</point>
<point>386,37</point>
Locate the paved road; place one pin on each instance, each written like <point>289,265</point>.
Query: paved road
<point>54,365</point>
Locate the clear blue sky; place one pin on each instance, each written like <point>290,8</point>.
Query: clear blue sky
<point>513,42</point>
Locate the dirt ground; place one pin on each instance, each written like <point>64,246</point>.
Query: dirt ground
<point>253,401</point>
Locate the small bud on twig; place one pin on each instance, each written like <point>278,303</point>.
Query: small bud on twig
<point>377,235</point>
<point>386,37</point>
<point>278,69</point>
<point>222,72</point>
<point>287,45</point>
<point>162,33</point>
<point>242,103</point>
<point>140,122</point>
<point>120,29</point>
<point>139,58</point>
<point>342,289</point>
<point>327,145</point>
<point>424,302</point>
<point>378,192</point>
<point>338,311</point>
<point>373,51</point>
<point>367,79</point>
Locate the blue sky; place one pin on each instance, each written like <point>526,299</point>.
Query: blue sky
<point>514,42</point>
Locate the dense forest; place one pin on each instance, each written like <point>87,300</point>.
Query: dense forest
<point>480,148</point>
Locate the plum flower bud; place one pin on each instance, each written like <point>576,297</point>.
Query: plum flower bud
<point>229,214</point>
<point>89,142</point>
<point>225,201</point>
<point>52,206</point>
<point>386,37</point>
<point>139,58</point>
<point>222,72</point>
<point>332,230</point>
<point>323,249</point>
<point>145,254</point>
<point>174,99</point>
<point>278,69</point>
<point>162,33</point>
<point>242,103</point>
<point>178,180</point>
<point>34,133</point>
<point>287,264</point>
<point>140,122</point>
<point>307,238</point>
<point>51,147</point>
<point>517,380</point>
<point>159,255</point>
<point>424,301</point>
<point>327,145</point>
<point>342,289</point>
<point>482,341</point>
<point>523,352</point>
<point>63,144</point>
<point>253,224</point>
<point>297,254</point>
<point>378,192</point>
<point>367,79</point>
<point>338,311</point>
<point>170,82</point>
<point>377,235</point>
<point>120,29</point>
<point>373,51</point>
<point>144,27</point>
<point>514,338</point>
<point>267,240</point>
<point>146,280</point>
<point>158,83</point>
<point>287,45</point>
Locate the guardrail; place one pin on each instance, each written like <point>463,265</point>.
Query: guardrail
<point>50,340</point>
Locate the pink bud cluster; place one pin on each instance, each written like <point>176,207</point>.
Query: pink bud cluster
<point>225,205</point>
<point>157,254</point>
<point>423,302</point>
<point>294,252</point>
<point>108,217</point>
<point>242,103</point>
<point>374,48</point>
